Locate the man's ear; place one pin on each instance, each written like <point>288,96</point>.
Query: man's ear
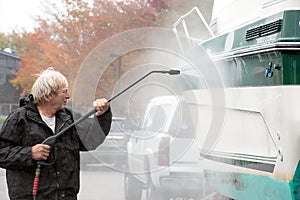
<point>50,95</point>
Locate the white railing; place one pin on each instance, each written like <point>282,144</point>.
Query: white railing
<point>182,20</point>
<point>6,108</point>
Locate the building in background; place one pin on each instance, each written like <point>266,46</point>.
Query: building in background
<point>9,96</point>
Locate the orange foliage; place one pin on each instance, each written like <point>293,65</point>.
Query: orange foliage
<point>70,31</point>
<point>65,38</point>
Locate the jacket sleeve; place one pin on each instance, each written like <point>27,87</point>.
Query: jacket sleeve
<point>93,132</point>
<point>12,154</point>
<point>105,121</point>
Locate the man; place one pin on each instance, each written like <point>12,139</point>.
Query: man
<point>43,115</point>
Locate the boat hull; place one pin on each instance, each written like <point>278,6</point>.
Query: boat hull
<point>256,150</point>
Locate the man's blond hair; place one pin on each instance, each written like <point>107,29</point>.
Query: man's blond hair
<point>48,81</point>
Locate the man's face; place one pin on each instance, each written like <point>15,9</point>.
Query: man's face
<point>60,99</point>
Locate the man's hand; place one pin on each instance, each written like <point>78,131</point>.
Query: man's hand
<point>101,106</point>
<point>40,151</point>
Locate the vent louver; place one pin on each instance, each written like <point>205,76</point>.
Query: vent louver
<point>264,30</point>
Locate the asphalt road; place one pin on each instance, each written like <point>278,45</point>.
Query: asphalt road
<point>3,189</point>
<point>96,184</point>
<point>101,184</point>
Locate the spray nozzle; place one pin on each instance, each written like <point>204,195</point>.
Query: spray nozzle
<point>173,72</point>
<point>170,72</point>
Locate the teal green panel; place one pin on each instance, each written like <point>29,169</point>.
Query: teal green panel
<point>247,71</point>
<point>291,68</point>
<point>291,27</point>
<point>249,187</point>
<point>295,184</point>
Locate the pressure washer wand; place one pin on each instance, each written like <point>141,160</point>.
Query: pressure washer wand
<point>171,72</point>
<point>51,140</point>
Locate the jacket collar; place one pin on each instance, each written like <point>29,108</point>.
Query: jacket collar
<point>61,115</point>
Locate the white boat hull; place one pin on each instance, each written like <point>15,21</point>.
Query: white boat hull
<point>258,139</point>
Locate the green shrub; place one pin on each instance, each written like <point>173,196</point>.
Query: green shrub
<point>2,118</point>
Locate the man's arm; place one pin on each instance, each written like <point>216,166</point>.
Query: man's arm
<point>13,155</point>
<point>93,131</point>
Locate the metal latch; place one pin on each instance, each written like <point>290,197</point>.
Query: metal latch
<point>269,71</point>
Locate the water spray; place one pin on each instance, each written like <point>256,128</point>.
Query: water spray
<point>51,140</point>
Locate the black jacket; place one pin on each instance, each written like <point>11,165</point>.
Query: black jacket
<point>24,128</point>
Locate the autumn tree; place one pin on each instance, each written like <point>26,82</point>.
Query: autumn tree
<point>70,30</point>
<point>36,51</point>
<point>8,41</point>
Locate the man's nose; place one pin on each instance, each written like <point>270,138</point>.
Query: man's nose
<point>68,95</point>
